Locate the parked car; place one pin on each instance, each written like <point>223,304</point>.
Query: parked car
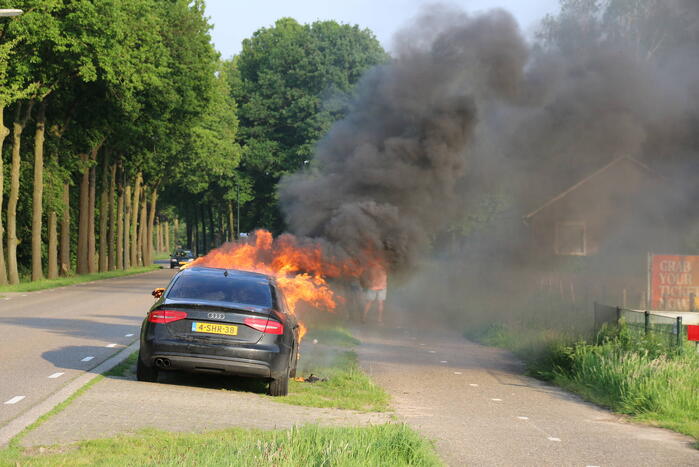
<point>181,257</point>
<point>221,321</point>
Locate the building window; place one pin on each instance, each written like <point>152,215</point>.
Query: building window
<point>570,238</point>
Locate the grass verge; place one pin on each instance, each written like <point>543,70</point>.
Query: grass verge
<point>381,445</point>
<point>71,280</point>
<point>347,386</point>
<point>629,374</point>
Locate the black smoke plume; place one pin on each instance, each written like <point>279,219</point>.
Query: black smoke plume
<point>384,178</point>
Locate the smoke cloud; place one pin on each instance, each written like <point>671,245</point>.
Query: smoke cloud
<point>384,178</point>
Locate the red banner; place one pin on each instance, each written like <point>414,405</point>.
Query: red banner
<point>693,332</point>
<point>674,282</point>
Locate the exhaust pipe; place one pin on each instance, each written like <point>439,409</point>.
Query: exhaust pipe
<point>163,363</point>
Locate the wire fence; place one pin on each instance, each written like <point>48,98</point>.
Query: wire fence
<point>643,323</point>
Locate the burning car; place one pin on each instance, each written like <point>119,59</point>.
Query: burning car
<point>221,321</point>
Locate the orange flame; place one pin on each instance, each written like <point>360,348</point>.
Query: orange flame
<point>300,267</point>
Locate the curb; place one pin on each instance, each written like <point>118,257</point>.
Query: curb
<point>17,425</point>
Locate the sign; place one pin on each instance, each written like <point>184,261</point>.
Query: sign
<point>673,282</point>
<point>693,332</point>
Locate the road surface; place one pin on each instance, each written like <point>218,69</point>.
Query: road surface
<point>480,409</point>
<point>51,337</point>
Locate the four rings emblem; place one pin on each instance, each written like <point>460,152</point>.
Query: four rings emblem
<point>216,316</point>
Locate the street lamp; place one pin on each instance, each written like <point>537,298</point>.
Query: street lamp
<point>10,12</point>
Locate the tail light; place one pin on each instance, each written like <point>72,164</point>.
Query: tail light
<point>265,325</point>
<point>166,316</point>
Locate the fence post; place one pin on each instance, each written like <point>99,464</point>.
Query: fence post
<point>679,332</point>
<point>618,315</point>
<point>646,322</point>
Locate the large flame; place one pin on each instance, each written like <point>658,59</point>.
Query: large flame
<point>299,266</point>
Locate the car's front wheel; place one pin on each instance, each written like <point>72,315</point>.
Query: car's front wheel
<point>146,373</point>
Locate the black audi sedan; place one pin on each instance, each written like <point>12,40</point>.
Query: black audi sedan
<point>223,321</point>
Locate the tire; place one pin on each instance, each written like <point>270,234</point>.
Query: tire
<point>292,372</point>
<point>146,373</point>
<point>279,386</point>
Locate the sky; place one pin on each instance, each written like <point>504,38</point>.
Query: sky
<point>234,20</point>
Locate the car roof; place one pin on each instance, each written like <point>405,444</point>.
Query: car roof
<point>237,273</point>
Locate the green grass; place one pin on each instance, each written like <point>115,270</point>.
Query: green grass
<point>63,281</point>
<point>347,386</point>
<point>335,336</point>
<point>635,375</point>
<point>381,445</point>
<point>125,367</point>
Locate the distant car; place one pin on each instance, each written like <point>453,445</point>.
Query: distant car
<point>180,258</point>
<point>220,321</point>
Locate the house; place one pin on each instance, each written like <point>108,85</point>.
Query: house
<point>620,207</point>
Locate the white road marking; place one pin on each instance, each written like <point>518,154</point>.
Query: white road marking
<point>87,359</point>
<point>523,418</point>
<point>129,335</point>
<point>496,400</point>
<point>443,361</point>
<point>111,345</point>
<point>433,351</point>
<point>56,375</point>
<point>473,385</point>
<point>551,438</point>
<point>15,399</point>
<point>457,372</point>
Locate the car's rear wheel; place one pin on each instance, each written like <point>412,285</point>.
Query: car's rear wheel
<point>279,386</point>
<point>146,373</point>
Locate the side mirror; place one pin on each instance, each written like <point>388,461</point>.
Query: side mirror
<point>157,293</point>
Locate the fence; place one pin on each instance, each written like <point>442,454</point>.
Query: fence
<point>641,322</point>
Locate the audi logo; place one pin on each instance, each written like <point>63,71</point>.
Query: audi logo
<point>216,316</point>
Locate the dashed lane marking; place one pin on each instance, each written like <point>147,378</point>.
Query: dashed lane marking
<point>56,375</point>
<point>129,335</point>
<point>433,351</point>
<point>523,418</point>
<point>551,438</point>
<point>496,400</point>
<point>14,400</point>
<point>87,359</point>
<point>442,361</point>
<point>457,372</point>
<point>474,385</point>
<point>111,345</point>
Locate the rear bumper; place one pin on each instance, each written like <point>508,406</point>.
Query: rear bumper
<point>256,360</point>
<point>199,364</point>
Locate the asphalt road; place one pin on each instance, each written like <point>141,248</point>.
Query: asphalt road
<point>480,409</point>
<point>49,338</point>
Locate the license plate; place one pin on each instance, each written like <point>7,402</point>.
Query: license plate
<point>212,328</point>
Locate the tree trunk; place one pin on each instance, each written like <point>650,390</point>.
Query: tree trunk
<point>202,218</point>
<point>134,220</point>
<point>65,231</point>
<point>143,230</point>
<point>151,220</point>
<point>120,230</point>
<point>111,263</point>
<point>91,260</point>
<point>38,193</point>
<point>104,215</point>
<point>4,132</point>
<point>53,245</point>
<point>83,208</point>
<point>159,237</point>
<point>231,222</point>
<point>166,246</point>
<point>12,241</point>
<point>127,226</point>
<point>175,234</point>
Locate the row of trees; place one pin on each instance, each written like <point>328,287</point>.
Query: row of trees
<point>122,133</point>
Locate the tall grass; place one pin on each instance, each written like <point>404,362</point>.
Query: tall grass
<point>381,445</point>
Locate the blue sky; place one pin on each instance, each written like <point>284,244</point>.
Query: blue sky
<point>234,20</point>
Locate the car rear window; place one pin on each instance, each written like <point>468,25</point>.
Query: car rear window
<point>221,288</point>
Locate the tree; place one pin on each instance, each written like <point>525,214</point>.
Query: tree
<point>291,82</point>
